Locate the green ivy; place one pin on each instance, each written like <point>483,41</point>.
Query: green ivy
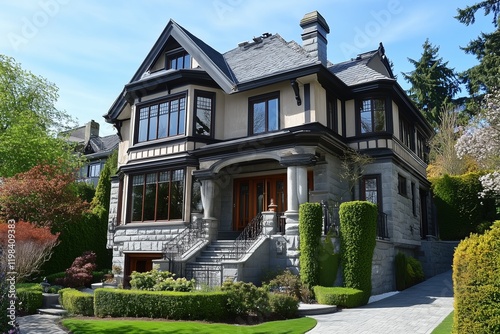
<point>310,228</point>
<point>358,228</point>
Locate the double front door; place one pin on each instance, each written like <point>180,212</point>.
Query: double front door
<point>254,195</point>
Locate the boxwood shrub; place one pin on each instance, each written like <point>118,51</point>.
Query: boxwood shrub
<point>408,271</point>
<point>358,228</point>
<point>77,302</point>
<point>209,306</point>
<point>29,297</point>
<point>340,296</point>
<point>310,224</point>
<point>283,306</point>
<point>476,283</point>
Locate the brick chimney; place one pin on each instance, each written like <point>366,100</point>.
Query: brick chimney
<point>314,31</point>
<point>91,130</point>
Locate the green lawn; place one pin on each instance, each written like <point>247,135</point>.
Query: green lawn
<point>117,326</point>
<point>445,326</point>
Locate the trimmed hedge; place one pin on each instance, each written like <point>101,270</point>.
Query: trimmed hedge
<point>358,230</point>
<point>408,271</point>
<point>460,211</point>
<point>77,302</point>
<point>343,297</point>
<point>476,283</point>
<point>310,226</point>
<point>160,304</point>
<point>29,297</point>
<point>328,263</point>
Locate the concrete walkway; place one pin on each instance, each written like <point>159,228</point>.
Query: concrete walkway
<point>40,324</point>
<point>416,310</point>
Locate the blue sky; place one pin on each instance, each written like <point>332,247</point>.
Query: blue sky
<point>90,49</point>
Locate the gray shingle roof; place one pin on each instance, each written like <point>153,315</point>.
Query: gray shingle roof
<point>272,55</point>
<point>103,144</point>
<point>358,71</point>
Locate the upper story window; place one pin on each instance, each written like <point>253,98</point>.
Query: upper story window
<point>94,170</point>
<point>162,119</point>
<point>372,115</point>
<point>407,133</point>
<point>331,111</point>
<point>157,196</point>
<point>421,147</point>
<point>264,113</point>
<point>371,190</point>
<point>178,60</point>
<point>402,185</point>
<point>204,113</point>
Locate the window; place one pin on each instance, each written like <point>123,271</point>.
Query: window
<point>161,120</point>
<point>370,186</point>
<point>204,110</point>
<point>407,134</point>
<point>372,115</point>
<point>264,113</point>
<point>402,185</point>
<point>413,199</point>
<point>94,170</point>
<point>196,204</point>
<point>421,147</point>
<point>331,110</point>
<point>178,60</point>
<point>157,196</point>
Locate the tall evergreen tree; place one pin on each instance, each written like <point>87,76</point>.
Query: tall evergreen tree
<point>484,77</point>
<point>434,84</point>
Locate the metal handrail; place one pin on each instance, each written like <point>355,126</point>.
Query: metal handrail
<point>184,241</point>
<point>247,237</point>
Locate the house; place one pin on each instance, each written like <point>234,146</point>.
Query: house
<point>218,150</point>
<point>94,148</point>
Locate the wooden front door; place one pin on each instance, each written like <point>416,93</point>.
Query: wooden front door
<point>253,195</point>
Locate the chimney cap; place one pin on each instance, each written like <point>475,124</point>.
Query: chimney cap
<point>314,17</point>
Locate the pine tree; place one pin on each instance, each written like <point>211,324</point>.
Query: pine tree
<point>434,84</point>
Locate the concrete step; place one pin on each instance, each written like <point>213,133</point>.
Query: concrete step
<point>49,299</point>
<point>316,309</point>
<point>53,311</point>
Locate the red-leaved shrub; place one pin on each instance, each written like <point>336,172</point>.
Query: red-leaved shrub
<point>80,272</point>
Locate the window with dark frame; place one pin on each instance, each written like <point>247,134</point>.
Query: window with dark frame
<point>413,199</point>
<point>372,115</point>
<point>407,133</point>
<point>162,119</point>
<point>178,60</point>
<point>370,189</point>
<point>331,110</point>
<point>94,170</point>
<point>421,147</point>
<point>402,185</point>
<point>157,196</point>
<point>203,113</point>
<point>264,113</point>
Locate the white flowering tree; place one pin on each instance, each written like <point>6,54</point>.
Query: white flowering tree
<point>482,142</point>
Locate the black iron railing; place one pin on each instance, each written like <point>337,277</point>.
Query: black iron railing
<point>382,232</point>
<point>281,223</point>
<point>184,241</point>
<point>247,237</point>
<point>330,217</point>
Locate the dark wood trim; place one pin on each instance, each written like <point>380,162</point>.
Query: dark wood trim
<point>307,103</point>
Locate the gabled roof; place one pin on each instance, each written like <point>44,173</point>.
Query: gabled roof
<point>265,60</point>
<point>98,147</point>
<point>366,67</point>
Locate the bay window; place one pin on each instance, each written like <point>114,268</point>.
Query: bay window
<point>157,196</point>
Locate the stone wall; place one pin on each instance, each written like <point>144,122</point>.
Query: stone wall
<point>436,256</point>
<point>383,267</point>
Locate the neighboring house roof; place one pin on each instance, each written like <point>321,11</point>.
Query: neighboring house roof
<point>98,147</point>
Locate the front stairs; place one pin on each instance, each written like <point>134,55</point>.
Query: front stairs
<point>207,268</point>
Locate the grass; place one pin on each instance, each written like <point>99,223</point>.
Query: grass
<point>118,326</point>
<point>445,326</point>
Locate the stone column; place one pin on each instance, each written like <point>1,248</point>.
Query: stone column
<point>208,192</point>
<point>269,222</point>
<point>297,194</point>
